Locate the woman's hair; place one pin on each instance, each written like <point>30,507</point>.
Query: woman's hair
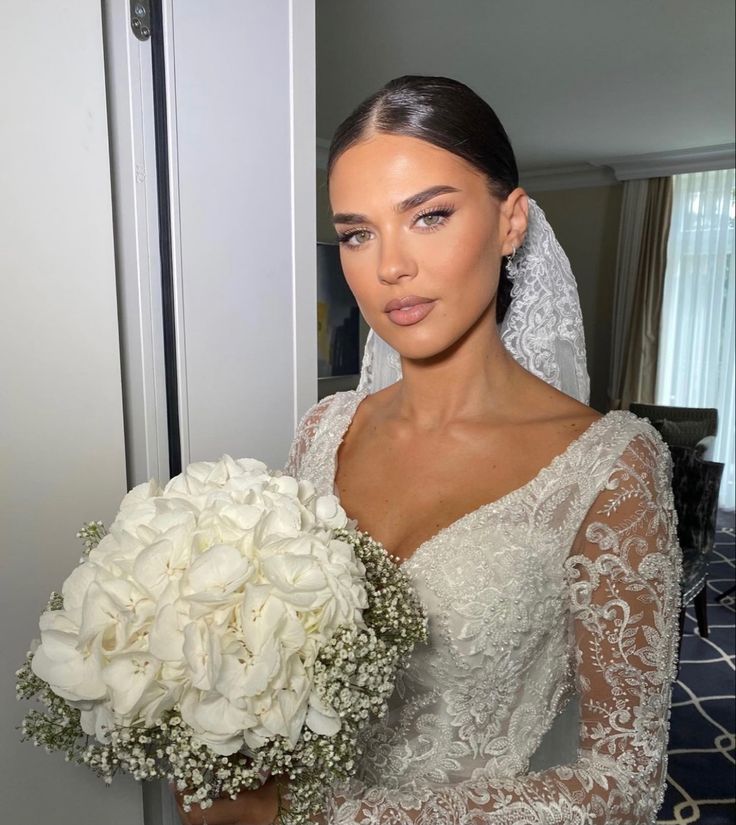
<point>447,114</point>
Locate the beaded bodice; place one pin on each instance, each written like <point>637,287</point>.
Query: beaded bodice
<point>543,694</point>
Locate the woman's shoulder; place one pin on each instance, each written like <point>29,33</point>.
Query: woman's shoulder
<point>622,430</point>
<point>630,447</point>
<point>575,418</point>
<point>628,423</point>
<point>326,407</point>
<point>612,442</point>
<point>327,414</point>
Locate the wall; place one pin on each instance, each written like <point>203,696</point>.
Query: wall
<point>62,452</point>
<point>586,222</point>
<point>325,227</point>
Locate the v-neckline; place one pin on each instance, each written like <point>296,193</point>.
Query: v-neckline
<point>486,506</point>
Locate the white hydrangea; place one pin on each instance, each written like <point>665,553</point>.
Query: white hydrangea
<point>213,594</point>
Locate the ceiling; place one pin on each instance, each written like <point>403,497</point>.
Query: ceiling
<point>573,81</point>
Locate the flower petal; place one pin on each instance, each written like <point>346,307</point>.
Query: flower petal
<point>127,677</point>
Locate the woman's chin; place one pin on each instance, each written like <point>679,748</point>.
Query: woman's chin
<point>415,344</point>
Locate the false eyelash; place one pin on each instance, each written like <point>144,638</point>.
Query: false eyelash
<point>435,210</point>
<point>344,237</point>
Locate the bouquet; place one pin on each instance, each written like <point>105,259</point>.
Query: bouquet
<point>229,626</point>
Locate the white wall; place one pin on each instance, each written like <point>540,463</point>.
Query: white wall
<point>61,431</point>
<point>241,90</point>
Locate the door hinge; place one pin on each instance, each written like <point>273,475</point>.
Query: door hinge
<point>140,18</point>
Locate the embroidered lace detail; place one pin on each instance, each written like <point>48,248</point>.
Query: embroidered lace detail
<point>305,436</point>
<point>565,590</point>
<point>543,327</point>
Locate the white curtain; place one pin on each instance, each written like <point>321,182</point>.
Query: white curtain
<point>696,358</point>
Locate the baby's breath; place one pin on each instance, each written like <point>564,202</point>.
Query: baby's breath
<point>354,673</point>
<point>91,535</point>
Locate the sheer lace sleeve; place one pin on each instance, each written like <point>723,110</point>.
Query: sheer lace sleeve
<point>623,573</point>
<point>304,435</point>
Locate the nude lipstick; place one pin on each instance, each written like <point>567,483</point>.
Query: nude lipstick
<point>409,310</point>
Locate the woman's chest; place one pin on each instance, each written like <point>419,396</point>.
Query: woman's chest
<point>404,491</point>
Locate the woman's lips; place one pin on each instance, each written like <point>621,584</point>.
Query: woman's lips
<point>411,314</point>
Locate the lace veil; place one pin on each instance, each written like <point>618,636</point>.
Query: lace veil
<point>543,327</point>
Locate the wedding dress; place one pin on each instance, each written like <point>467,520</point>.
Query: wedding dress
<point>563,592</point>
<point>543,695</point>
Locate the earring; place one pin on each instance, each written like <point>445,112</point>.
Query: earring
<point>512,255</point>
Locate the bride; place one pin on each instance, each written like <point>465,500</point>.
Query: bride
<point>539,534</point>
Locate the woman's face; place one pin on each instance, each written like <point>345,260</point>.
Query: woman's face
<point>416,222</point>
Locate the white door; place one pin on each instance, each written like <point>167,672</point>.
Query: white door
<point>237,163</point>
<point>242,155</point>
<point>237,168</point>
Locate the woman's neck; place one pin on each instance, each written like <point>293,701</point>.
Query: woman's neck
<point>475,378</point>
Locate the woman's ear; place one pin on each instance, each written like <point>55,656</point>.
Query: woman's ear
<point>516,211</point>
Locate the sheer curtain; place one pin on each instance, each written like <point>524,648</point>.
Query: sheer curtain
<point>696,360</point>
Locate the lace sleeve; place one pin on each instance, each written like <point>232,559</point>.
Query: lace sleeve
<point>304,435</point>
<point>623,573</point>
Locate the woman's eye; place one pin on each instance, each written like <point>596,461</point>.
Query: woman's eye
<point>360,236</point>
<point>435,218</point>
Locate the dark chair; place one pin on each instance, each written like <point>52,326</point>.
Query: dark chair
<point>683,426</point>
<point>696,483</point>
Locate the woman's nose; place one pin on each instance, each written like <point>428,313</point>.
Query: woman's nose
<point>395,262</point>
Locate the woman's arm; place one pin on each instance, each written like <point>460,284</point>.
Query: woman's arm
<point>624,574</point>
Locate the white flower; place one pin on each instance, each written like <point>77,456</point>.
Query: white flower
<point>72,673</point>
<point>74,590</point>
<point>277,523</point>
<point>102,617</point>
<point>287,486</point>
<point>243,676</point>
<point>298,580</point>
<point>216,592</point>
<point>285,715</point>
<point>216,575</point>
<point>166,638</point>
<point>202,653</point>
<point>127,677</point>
<point>216,721</point>
<point>98,722</point>
<point>329,511</point>
<point>261,616</point>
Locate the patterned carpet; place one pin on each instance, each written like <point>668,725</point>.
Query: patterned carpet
<point>701,778</point>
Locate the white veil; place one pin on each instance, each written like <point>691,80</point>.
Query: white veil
<point>543,327</point>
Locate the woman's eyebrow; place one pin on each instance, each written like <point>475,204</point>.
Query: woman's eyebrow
<point>409,203</point>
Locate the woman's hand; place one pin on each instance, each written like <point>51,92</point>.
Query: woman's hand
<point>258,807</point>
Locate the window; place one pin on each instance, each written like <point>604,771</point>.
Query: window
<point>696,358</point>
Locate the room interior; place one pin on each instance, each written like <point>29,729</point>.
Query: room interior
<point>591,95</point>
<point>592,98</point>
<point>595,96</point>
